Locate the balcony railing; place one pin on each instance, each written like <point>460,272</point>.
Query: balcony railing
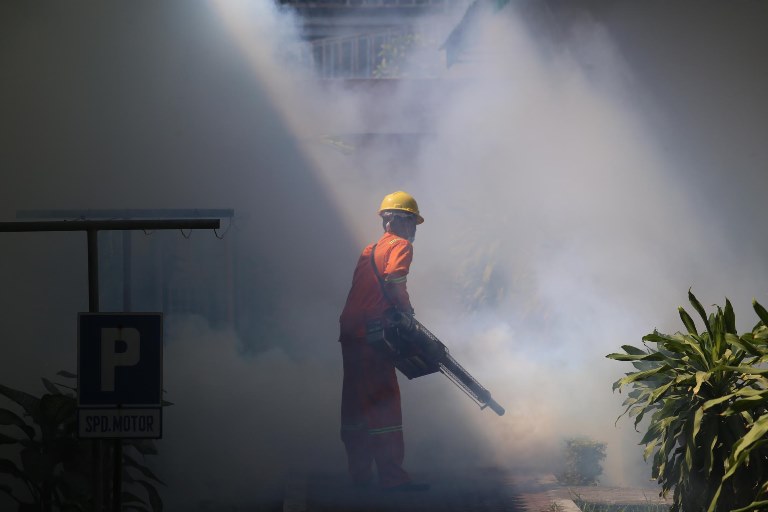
<point>355,56</point>
<point>368,3</point>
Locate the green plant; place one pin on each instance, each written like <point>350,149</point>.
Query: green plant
<point>707,397</point>
<point>55,467</point>
<point>395,54</point>
<point>582,459</point>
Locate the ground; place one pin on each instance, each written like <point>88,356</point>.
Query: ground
<point>481,490</point>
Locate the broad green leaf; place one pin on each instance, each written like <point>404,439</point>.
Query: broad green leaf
<point>697,417</point>
<point>154,497</point>
<point>745,404</point>
<point>753,435</point>
<point>139,508</point>
<point>698,307</point>
<point>761,312</point>
<point>701,377</point>
<point>657,337</point>
<point>718,332</point>
<point>56,409</point>
<point>654,432</point>
<point>4,439</point>
<point>742,460</point>
<point>9,491</point>
<point>693,348</point>
<point>688,346</point>
<point>659,392</point>
<point>747,370</point>
<point>715,401</point>
<point>629,349</point>
<point>10,418</point>
<point>729,317</point>
<point>755,505</point>
<point>27,402</point>
<point>757,380</point>
<point>10,468</point>
<point>50,387</point>
<point>649,448</point>
<point>716,497</point>
<point>709,433</point>
<point>131,462</point>
<point>59,384</point>
<point>748,419</point>
<point>742,344</point>
<point>654,356</point>
<point>143,446</point>
<point>131,498</point>
<point>644,365</point>
<point>687,320</point>
<point>641,375</point>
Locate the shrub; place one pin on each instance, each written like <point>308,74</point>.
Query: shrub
<point>55,468</point>
<point>582,462</point>
<point>707,396</point>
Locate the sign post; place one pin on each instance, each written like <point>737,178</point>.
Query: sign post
<point>119,420</point>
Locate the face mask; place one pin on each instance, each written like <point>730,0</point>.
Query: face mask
<point>412,237</point>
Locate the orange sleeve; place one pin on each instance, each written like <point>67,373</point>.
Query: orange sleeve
<point>396,269</point>
<point>398,261</point>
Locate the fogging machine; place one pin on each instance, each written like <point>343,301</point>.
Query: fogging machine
<point>417,352</point>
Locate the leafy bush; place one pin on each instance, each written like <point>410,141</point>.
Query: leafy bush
<point>582,462</point>
<point>395,57</point>
<point>707,394</point>
<point>55,470</point>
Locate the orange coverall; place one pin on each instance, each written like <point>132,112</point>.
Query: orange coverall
<point>371,419</point>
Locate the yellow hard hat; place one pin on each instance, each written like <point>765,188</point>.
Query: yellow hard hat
<point>402,201</point>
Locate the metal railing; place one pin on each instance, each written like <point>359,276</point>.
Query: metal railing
<point>355,56</point>
<point>368,3</point>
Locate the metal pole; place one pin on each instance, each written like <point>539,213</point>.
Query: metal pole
<point>101,488</point>
<point>93,307</point>
<point>117,475</point>
<point>127,254</point>
<point>93,270</point>
<point>107,225</point>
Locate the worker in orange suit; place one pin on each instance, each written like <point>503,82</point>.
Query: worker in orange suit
<point>371,418</point>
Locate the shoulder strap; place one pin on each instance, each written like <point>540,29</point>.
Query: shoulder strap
<point>378,276</point>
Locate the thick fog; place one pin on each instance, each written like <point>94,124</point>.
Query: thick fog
<point>577,177</point>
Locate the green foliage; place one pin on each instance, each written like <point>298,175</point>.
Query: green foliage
<point>396,55</point>
<point>707,397</point>
<point>582,461</point>
<point>54,467</point>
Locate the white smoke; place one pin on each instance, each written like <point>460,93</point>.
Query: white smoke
<point>557,227</point>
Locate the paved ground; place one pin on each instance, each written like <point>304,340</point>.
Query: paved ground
<point>538,493</point>
<point>485,490</point>
<point>480,491</point>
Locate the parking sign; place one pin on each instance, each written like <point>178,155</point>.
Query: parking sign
<point>120,374</point>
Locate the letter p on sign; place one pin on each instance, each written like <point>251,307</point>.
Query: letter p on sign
<point>120,346</point>
<point>120,359</point>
